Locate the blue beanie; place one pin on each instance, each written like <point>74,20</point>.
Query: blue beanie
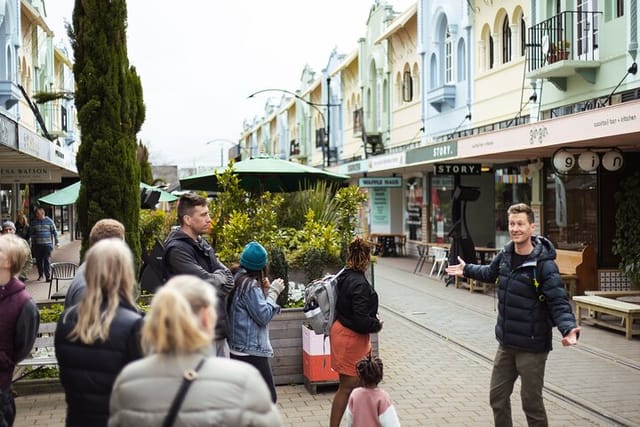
<point>254,257</point>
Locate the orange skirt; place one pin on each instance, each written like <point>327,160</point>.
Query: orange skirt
<point>347,348</point>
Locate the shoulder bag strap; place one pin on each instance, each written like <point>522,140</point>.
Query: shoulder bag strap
<point>189,376</point>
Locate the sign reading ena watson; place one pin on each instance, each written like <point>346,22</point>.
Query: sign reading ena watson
<point>380,182</point>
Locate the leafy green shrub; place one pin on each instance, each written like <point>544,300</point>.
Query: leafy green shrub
<point>50,313</point>
<point>153,226</point>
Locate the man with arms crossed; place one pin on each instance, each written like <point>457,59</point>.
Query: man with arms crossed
<point>531,299</point>
<point>187,252</point>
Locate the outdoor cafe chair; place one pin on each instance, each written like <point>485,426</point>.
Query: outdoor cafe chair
<point>61,271</point>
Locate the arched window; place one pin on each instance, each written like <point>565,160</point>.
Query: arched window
<point>433,72</point>
<point>506,41</point>
<point>448,57</point>
<point>491,52</point>
<point>461,62</point>
<point>416,82</point>
<point>407,85</point>
<point>523,36</point>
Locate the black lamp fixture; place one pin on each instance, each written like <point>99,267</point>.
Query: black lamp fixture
<point>633,69</point>
<point>326,146</point>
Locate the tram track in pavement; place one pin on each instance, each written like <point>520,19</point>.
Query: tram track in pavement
<point>597,414</point>
<point>491,315</point>
<point>588,407</point>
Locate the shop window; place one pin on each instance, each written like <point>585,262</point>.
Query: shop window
<point>570,210</point>
<point>511,187</point>
<point>441,205</point>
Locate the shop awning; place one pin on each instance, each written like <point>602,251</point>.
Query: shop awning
<point>69,195</point>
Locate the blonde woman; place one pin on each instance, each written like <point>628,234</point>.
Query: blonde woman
<point>98,337</point>
<point>177,335</point>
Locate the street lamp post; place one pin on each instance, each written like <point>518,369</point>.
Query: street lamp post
<point>325,123</point>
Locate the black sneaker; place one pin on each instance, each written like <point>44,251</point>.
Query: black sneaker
<point>39,278</point>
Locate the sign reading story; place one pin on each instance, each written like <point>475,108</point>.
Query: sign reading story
<point>380,182</point>
<point>458,169</point>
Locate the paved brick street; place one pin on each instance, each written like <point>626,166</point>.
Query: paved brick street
<point>430,375</point>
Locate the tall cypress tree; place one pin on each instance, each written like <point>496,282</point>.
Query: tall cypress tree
<point>110,112</point>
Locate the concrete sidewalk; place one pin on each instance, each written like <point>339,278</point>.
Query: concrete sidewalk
<point>432,379</point>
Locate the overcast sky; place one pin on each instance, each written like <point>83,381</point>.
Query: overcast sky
<point>200,59</point>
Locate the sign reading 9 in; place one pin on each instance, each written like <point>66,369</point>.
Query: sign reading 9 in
<point>587,160</point>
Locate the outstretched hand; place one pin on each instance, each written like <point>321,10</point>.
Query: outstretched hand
<point>456,269</point>
<point>572,337</point>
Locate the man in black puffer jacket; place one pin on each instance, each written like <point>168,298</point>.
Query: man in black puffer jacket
<point>531,300</point>
<point>187,252</point>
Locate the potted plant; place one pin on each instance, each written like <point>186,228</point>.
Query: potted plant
<point>626,242</point>
<point>558,51</point>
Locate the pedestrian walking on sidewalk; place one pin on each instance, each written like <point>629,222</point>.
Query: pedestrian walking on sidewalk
<point>22,226</point>
<point>251,306</point>
<point>369,405</point>
<point>356,318</point>
<point>19,320</point>
<point>177,336</point>
<point>44,236</point>
<point>531,299</point>
<point>95,339</point>
<point>187,252</point>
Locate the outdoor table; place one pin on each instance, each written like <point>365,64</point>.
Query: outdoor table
<point>386,243</point>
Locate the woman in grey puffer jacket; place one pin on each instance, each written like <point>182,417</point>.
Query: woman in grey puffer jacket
<point>178,332</point>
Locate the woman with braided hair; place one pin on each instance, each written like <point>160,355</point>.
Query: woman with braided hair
<point>356,318</point>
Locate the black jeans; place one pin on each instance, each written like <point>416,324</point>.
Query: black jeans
<point>7,408</point>
<point>263,365</point>
<point>42,254</point>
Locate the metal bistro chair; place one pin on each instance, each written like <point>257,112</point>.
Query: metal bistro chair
<point>61,271</point>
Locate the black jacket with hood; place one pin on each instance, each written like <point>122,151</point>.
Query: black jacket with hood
<point>183,255</point>
<point>531,297</point>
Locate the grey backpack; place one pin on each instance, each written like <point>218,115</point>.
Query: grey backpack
<point>320,298</point>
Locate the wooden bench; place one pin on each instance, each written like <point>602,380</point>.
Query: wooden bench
<point>577,269</point>
<point>598,305</point>
<point>612,294</point>
<point>42,354</point>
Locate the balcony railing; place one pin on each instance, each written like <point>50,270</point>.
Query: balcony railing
<point>570,35</point>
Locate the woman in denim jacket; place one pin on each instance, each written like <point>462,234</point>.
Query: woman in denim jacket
<point>251,306</point>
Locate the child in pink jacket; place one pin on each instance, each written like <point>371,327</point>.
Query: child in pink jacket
<point>370,405</point>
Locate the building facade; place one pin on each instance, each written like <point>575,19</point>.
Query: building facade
<point>520,101</point>
<point>40,135</point>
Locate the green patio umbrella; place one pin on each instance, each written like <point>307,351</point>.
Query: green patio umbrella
<point>69,194</point>
<point>263,173</point>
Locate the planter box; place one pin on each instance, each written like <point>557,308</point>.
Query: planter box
<point>286,340</point>
<point>37,386</point>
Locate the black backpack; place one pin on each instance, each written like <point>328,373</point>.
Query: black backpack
<point>153,273</point>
